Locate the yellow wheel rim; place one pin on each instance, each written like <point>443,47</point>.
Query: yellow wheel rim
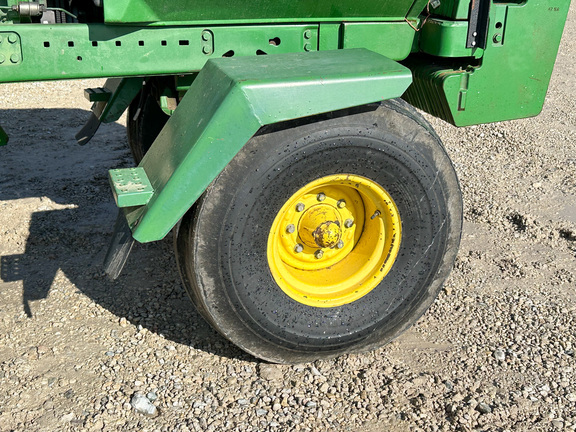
<point>334,240</point>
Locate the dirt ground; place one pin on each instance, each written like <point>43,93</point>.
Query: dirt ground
<point>494,353</point>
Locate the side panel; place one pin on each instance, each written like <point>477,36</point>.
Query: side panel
<point>511,79</point>
<point>130,11</point>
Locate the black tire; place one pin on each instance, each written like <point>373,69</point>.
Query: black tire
<point>222,240</point>
<point>145,121</point>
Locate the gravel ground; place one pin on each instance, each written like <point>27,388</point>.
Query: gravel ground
<point>496,352</point>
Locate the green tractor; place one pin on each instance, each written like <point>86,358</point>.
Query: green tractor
<point>315,210</point>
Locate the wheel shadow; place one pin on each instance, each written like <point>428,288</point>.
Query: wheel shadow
<point>71,225</point>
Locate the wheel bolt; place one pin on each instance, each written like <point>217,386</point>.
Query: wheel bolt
<point>298,248</point>
<point>319,254</point>
<point>321,197</point>
<point>348,223</point>
<point>340,244</point>
<point>290,229</point>
<point>300,207</point>
<point>341,203</point>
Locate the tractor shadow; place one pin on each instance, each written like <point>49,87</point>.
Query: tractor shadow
<point>71,224</point>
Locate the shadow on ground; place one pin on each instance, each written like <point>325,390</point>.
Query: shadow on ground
<point>71,225</point>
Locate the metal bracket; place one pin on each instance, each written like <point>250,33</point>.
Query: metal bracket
<point>478,24</point>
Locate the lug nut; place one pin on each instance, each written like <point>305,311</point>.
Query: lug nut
<point>300,207</point>
<point>340,244</point>
<point>348,223</point>
<point>319,254</point>
<point>298,248</point>
<point>341,203</point>
<point>321,197</point>
<point>290,229</point>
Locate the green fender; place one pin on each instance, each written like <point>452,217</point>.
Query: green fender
<point>230,100</point>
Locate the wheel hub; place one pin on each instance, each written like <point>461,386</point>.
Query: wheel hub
<point>320,226</point>
<point>334,240</point>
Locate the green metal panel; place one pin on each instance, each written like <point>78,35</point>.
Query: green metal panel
<point>512,78</point>
<point>453,9</point>
<point>394,40</point>
<point>71,51</point>
<point>231,99</point>
<point>251,11</point>
<point>445,38</point>
<point>130,187</point>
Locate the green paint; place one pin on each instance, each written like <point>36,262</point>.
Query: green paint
<point>130,187</point>
<point>227,104</point>
<point>512,77</point>
<point>251,11</point>
<point>394,40</point>
<point>445,38</point>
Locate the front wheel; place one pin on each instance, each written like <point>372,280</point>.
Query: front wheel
<point>324,236</point>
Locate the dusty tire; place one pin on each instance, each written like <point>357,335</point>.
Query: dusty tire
<point>145,120</point>
<point>224,242</point>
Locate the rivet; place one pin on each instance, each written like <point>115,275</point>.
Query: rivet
<point>348,223</point>
<point>290,229</point>
<point>340,244</point>
<point>298,248</point>
<point>2,59</point>
<point>205,36</point>
<point>319,254</point>
<point>12,38</point>
<point>497,38</point>
<point>14,58</point>
<point>341,203</point>
<point>300,207</point>
<point>321,197</point>
<point>307,34</point>
<point>206,50</point>
<point>474,34</point>
<point>308,47</point>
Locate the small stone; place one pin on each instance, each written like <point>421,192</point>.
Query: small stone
<point>315,371</point>
<point>152,396</point>
<point>261,412</point>
<point>68,417</point>
<point>557,423</point>
<point>242,401</point>
<point>571,397</point>
<point>142,405</point>
<point>110,353</point>
<point>271,372</point>
<point>276,407</point>
<point>500,355</point>
<point>311,404</point>
<point>483,408</point>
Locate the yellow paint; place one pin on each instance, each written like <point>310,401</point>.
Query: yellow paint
<point>354,259</point>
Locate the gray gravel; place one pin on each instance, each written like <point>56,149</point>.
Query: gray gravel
<point>496,352</point>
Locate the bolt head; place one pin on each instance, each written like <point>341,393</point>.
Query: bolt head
<point>290,229</point>
<point>341,203</point>
<point>298,248</point>
<point>319,254</point>
<point>12,38</point>
<point>340,244</point>
<point>348,223</point>
<point>300,207</point>
<point>321,196</point>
